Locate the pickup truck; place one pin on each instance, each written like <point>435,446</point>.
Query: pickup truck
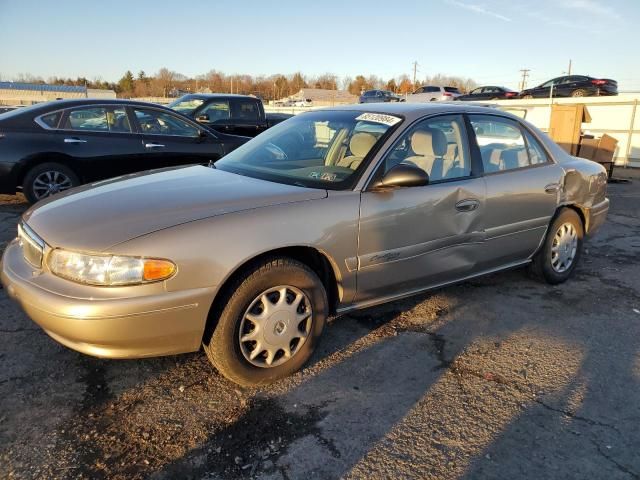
<point>228,113</point>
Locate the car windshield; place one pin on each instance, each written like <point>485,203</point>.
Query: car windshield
<point>322,149</point>
<point>186,106</point>
<point>451,89</point>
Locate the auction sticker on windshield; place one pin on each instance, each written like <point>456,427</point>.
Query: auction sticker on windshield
<point>379,118</point>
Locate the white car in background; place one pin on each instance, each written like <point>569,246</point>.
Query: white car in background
<point>432,93</point>
<point>306,102</point>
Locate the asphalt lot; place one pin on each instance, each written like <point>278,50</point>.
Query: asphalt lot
<point>501,377</point>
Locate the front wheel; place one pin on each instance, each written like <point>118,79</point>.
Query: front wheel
<point>270,324</point>
<point>559,255</point>
<point>47,179</point>
<point>527,97</point>
<point>579,93</point>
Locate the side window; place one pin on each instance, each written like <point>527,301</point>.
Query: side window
<point>246,110</point>
<point>216,110</point>
<point>118,120</point>
<point>437,145</point>
<point>89,119</point>
<point>432,89</point>
<point>501,143</point>
<point>155,122</point>
<point>536,153</point>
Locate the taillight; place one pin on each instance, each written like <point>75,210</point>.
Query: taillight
<point>599,82</point>
<point>446,94</point>
<point>509,94</point>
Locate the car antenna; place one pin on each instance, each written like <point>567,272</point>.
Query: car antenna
<point>211,164</point>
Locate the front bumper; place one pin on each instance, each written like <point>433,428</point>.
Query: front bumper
<point>99,322</point>
<point>596,216</point>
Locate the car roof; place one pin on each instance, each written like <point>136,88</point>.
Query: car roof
<point>79,102</point>
<point>206,96</point>
<point>417,110</point>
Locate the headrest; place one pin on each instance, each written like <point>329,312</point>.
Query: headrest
<point>361,143</point>
<point>429,142</point>
<point>514,158</point>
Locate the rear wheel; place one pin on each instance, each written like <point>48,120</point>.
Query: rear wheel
<point>47,179</point>
<point>561,250</point>
<point>270,324</point>
<point>528,97</point>
<point>579,93</point>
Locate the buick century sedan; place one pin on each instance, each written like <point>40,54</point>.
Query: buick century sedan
<point>330,211</point>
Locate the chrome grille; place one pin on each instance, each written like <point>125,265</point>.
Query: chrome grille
<point>32,245</point>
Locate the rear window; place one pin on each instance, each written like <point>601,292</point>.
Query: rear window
<point>246,110</point>
<point>451,90</point>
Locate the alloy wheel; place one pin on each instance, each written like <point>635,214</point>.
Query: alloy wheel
<point>50,182</point>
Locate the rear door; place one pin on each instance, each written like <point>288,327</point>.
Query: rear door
<point>170,140</point>
<point>101,141</point>
<point>417,237</point>
<point>246,116</point>
<point>523,185</point>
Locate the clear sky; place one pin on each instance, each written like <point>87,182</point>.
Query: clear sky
<point>487,40</point>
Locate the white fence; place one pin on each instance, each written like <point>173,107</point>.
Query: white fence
<point>616,116</point>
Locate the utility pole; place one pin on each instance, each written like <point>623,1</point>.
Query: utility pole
<point>569,70</point>
<point>415,70</point>
<point>525,74</point>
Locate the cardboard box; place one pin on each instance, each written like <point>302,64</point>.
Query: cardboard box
<point>565,125</point>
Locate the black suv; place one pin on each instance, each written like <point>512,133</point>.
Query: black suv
<point>228,113</point>
<point>572,86</point>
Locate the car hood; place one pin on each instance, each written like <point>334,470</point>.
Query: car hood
<point>100,215</point>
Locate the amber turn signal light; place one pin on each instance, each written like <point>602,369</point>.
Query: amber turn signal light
<point>155,270</point>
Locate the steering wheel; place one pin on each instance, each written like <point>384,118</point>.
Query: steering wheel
<point>276,151</point>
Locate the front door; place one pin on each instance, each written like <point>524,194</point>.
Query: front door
<point>523,185</point>
<point>169,140</point>
<point>418,237</point>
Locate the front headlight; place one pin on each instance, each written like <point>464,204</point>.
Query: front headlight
<point>108,270</point>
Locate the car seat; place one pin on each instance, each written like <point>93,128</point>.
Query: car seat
<point>429,147</point>
<point>359,146</point>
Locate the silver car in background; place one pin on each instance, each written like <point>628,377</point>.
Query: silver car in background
<point>433,93</point>
<point>328,212</point>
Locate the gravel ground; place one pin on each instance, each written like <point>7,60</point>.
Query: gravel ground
<point>501,377</point>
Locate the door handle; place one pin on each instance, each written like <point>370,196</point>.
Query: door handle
<point>153,145</point>
<point>552,188</point>
<point>467,205</point>
<point>74,140</point>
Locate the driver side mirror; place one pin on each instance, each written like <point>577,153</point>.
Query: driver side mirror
<point>202,118</point>
<point>402,175</point>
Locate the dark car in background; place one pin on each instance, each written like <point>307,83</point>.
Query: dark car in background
<point>489,93</point>
<point>572,86</point>
<point>228,113</point>
<point>377,96</point>
<point>53,146</point>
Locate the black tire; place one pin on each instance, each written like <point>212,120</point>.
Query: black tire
<point>29,188</point>
<point>579,93</point>
<point>542,266</point>
<point>223,348</point>
<point>527,97</point>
